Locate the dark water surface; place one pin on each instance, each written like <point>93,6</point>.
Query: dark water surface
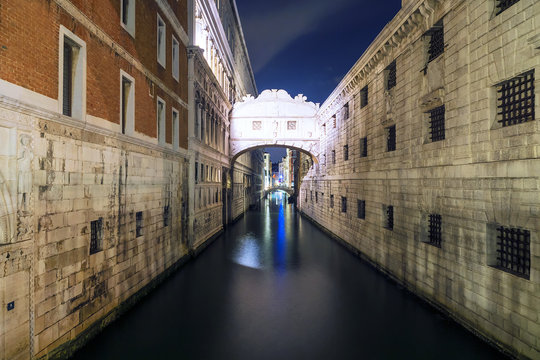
<point>273,286</point>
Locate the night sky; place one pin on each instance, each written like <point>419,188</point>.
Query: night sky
<point>307,46</point>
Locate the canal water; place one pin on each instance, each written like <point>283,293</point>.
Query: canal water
<point>273,286</point>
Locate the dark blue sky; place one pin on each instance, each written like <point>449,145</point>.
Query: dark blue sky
<point>307,46</point>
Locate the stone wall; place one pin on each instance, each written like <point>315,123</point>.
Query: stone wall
<point>60,179</point>
<point>480,176</point>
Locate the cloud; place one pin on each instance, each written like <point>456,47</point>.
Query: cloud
<point>272,30</point>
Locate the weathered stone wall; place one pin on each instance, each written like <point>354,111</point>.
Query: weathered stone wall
<point>480,175</point>
<point>61,178</point>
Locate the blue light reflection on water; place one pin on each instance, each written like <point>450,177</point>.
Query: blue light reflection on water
<point>269,249</point>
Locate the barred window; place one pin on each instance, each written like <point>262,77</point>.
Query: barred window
<point>435,221</point>
<point>389,217</point>
<point>436,41</point>
<point>364,97</point>
<point>391,75</point>
<point>316,197</point>
<point>504,4</point>
<point>345,111</point>
<point>515,100</point>
<point>311,196</point>
<point>138,223</point>
<point>333,156</point>
<point>96,236</point>
<point>331,201</point>
<point>361,213</point>
<point>363,147</point>
<point>346,152</point>
<point>334,123</point>
<point>436,123</point>
<point>166,215</point>
<point>391,138</point>
<point>343,204</point>
<point>513,251</point>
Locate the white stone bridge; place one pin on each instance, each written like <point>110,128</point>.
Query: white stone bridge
<point>274,119</point>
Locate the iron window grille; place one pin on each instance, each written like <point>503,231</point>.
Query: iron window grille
<point>515,100</point>
<point>513,251</point>
<point>389,223</point>
<point>331,201</point>
<point>361,214</point>
<point>436,41</point>
<point>333,156</point>
<point>363,147</point>
<point>391,77</point>
<point>391,138</point>
<point>166,216</point>
<point>138,223</point>
<point>364,97</point>
<point>346,152</point>
<point>343,204</point>
<point>436,123</point>
<point>345,111</point>
<point>96,236</point>
<point>504,4</point>
<point>435,221</point>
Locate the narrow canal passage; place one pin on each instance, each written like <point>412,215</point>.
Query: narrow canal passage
<point>273,286</point>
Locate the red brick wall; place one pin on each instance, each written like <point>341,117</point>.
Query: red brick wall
<point>29,33</point>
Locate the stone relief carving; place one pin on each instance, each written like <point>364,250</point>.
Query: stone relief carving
<point>24,184</point>
<point>6,213</point>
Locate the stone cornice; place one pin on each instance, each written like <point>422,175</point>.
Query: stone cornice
<point>415,15</point>
<point>92,28</point>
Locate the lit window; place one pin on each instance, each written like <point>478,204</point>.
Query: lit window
<point>128,16</point>
<point>161,33</point>
<point>161,121</point>
<point>175,58</point>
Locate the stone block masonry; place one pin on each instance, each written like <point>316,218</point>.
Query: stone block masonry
<point>443,212</point>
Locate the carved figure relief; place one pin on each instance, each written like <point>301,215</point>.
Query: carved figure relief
<point>6,213</point>
<point>24,162</point>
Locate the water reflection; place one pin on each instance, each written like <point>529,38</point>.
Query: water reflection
<point>276,246</point>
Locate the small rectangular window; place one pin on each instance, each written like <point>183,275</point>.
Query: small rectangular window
<point>72,74</point>
<point>175,58</point>
<point>333,156</point>
<point>343,204</point>
<point>138,224</point>
<point>128,16</point>
<point>311,196</point>
<point>513,251</point>
<point>96,236</point>
<point>334,122</point>
<point>363,147</point>
<point>436,124</point>
<point>161,48</point>
<point>332,201</point>
<point>435,223</point>
<point>436,41</point>
<point>196,172</point>
<point>515,100</point>
<point>127,103</point>
<point>389,217</point>
<point>345,111</point>
<point>161,121</point>
<point>166,216</point>
<point>391,138</point>
<point>316,197</point>
<point>346,152</point>
<point>176,129</point>
<point>504,4</point>
<point>391,75</point>
<point>364,97</point>
<point>361,212</point>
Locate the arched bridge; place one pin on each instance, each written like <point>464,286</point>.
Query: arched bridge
<point>286,189</point>
<point>275,119</point>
